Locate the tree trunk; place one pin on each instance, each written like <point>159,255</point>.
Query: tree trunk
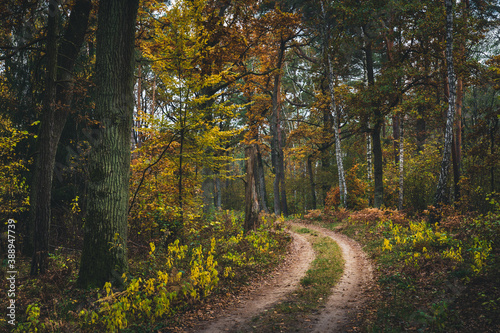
<point>457,140</point>
<point>324,151</point>
<point>440,197</point>
<point>492,132</point>
<point>396,132</point>
<point>180,171</point>
<point>104,255</point>
<point>251,201</point>
<point>377,164</point>
<point>401,164</point>
<point>378,173</point>
<point>281,166</point>
<point>336,132</point>
<point>56,107</point>
<point>333,105</point>
<point>369,164</point>
<point>276,147</point>
<point>261,183</point>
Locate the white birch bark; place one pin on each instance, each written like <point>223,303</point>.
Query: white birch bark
<point>448,136</point>
<point>331,86</point>
<point>369,161</point>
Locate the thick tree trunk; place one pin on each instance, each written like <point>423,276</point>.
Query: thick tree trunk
<point>56,106</point>
<point>440,197</point>
<point>251,200</point>
<point>261,183</point>
<point>104,255</point>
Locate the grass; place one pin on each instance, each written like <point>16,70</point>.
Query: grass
<point>293,314</point>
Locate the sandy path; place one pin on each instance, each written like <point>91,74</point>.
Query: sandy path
<point>346,300</point>
<point>278,285</point>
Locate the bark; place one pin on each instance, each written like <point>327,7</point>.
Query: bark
<point>377,165</point>
<point>378,172</point>
<point>137,140</point>
<point>440,196</point>
<point>395,119</point>
<point>324,150</point>
<point>180,172</point>
<point>281,165</point>
<point>276,143</point>
<point>457,145</point>
<point>333,105</point>
<point>493,131</point>
<point>56,107</point>
<point>369,164</point>
<point>261,183</point>
<point>396,132</point>
<point>104,255</point>
<point>457,140</point>
<point>336,132</point>
<point>401,165</point>
<point>251,201</point>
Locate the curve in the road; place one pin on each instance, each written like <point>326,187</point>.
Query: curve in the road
<point>270,292</point>
<point>346,299</point>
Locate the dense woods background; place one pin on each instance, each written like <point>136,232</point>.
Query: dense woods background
<point>126,124</point>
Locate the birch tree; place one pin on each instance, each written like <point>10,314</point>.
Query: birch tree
<point>325,31</point>
<point>440,196</point>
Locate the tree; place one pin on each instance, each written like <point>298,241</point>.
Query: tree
<point>331,88</point>
<point>440,196</point>
<point>56,107</point>
<point>252,207</point>
<point>104,255</point>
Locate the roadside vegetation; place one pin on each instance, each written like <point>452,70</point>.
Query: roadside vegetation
<point>436,277</point>
<point>165,281</point>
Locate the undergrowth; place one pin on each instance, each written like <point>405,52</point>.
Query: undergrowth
<point>165,279</point>
<point>440,277</point>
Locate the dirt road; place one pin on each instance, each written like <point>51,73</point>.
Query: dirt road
<point>347,296</point>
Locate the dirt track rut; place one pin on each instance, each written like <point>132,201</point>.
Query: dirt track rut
<point>347,296</point>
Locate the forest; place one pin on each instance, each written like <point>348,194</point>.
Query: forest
<point>157,158</point>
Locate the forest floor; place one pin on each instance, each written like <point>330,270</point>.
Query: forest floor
<point>344,304</point>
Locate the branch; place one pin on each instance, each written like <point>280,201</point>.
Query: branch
<point>146,169</point>
<point>19,48</point>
